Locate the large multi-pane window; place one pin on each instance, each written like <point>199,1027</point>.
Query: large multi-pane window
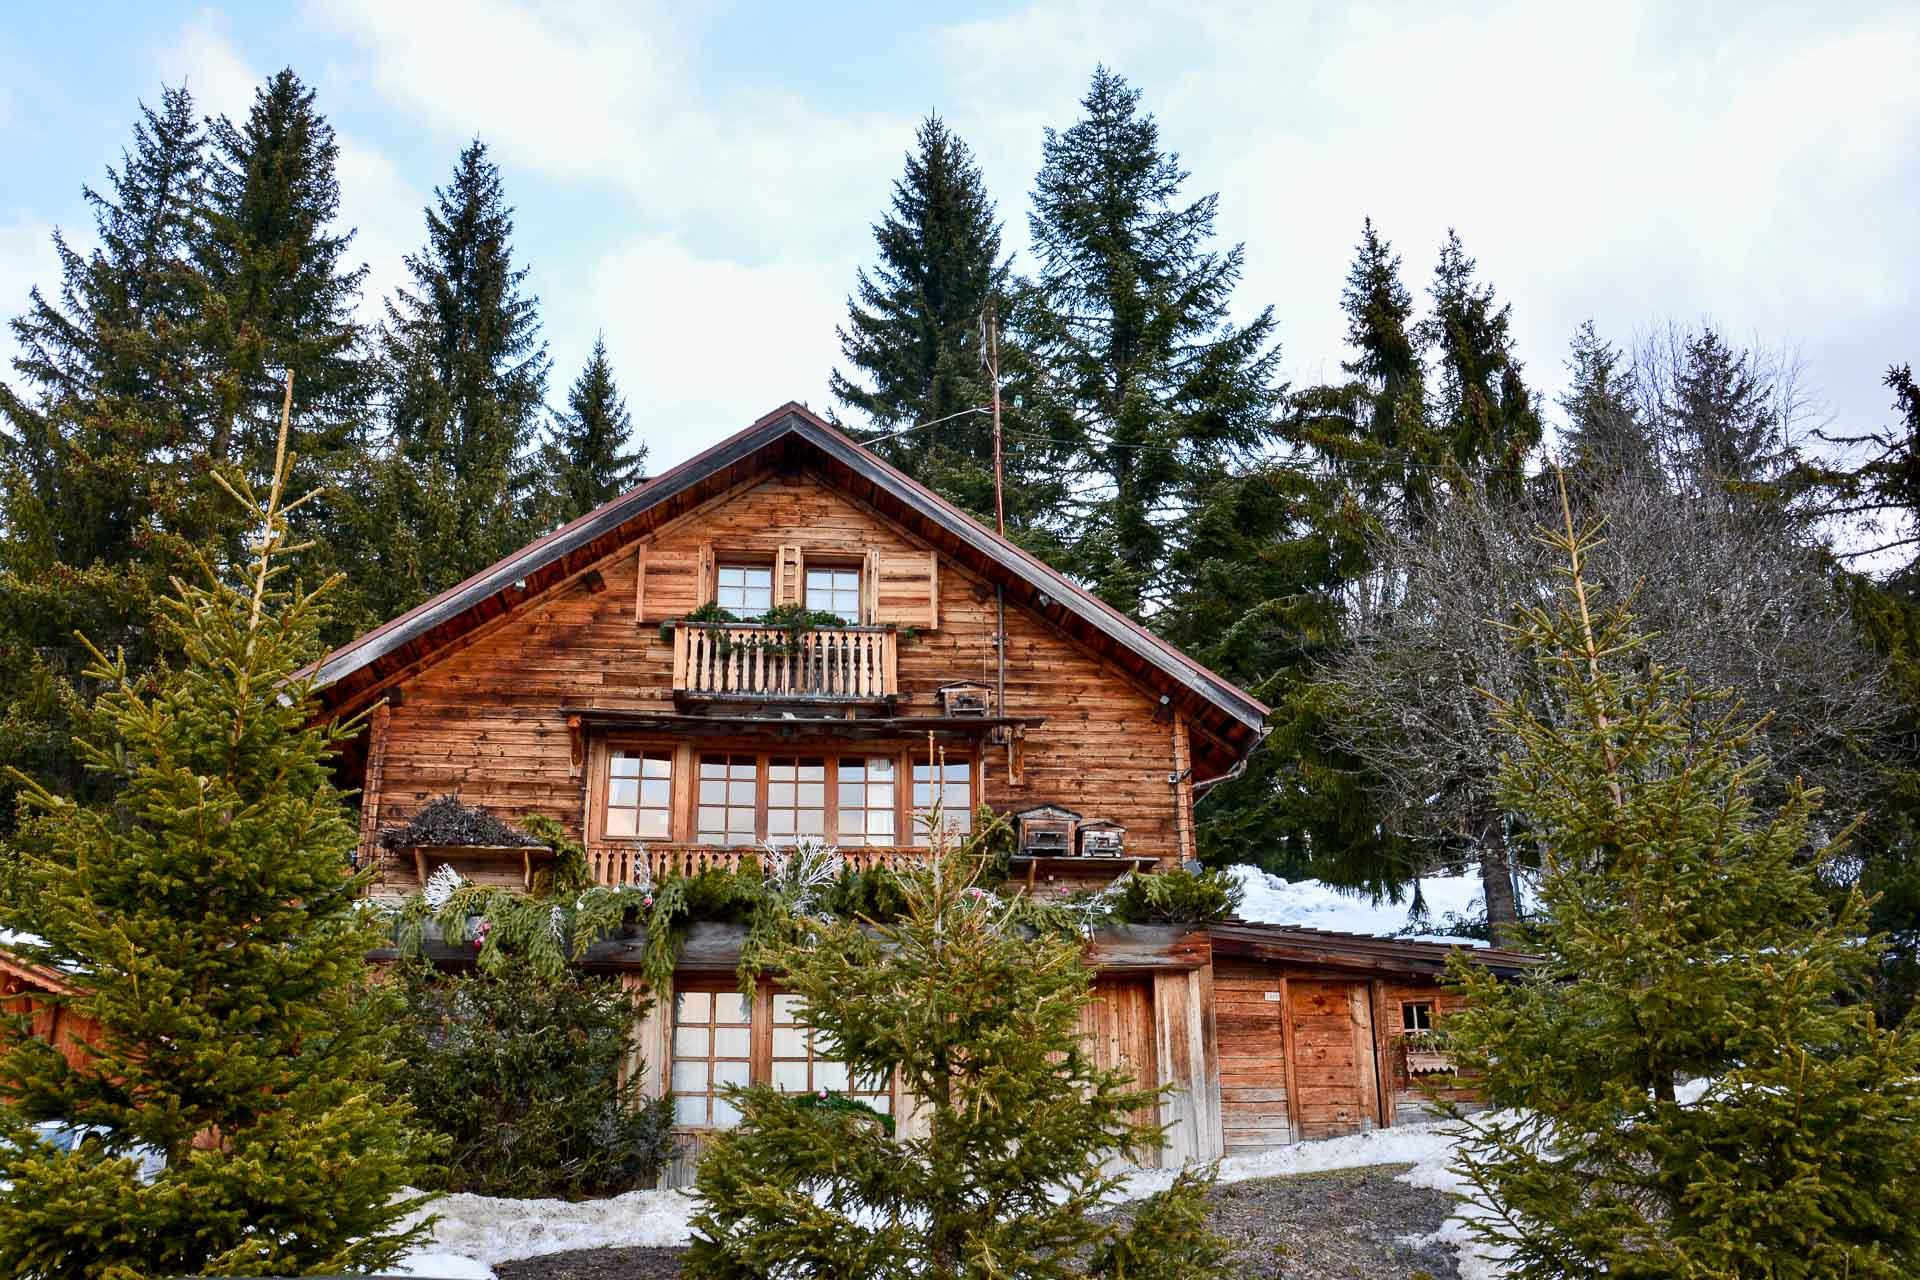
<point>744,589</point>
<point>867,800</point>
<point>796,799</point>
<point>835,591</point>
<point>729,799</point>
<point>723,1038</point>
<point>640,794</point>
<point>745,797</point>
<point>951,784</point>
<point>712,1048</point>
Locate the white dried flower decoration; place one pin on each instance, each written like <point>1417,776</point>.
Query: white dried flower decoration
<point>441,886</point>
<point>799,873</point>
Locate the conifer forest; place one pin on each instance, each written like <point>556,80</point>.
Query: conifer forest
<point>1452,588</point>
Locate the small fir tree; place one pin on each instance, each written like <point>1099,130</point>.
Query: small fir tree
<point>213,927</point>
<point>587,456</point>
<point>1001,1168</point>
<point>1686,939</point>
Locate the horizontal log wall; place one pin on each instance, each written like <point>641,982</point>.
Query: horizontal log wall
<point>485,723</point>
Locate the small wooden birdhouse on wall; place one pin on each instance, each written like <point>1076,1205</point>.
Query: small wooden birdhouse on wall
<point>1102,838</point>
<point>966,698</point>
<point>1046,831</point>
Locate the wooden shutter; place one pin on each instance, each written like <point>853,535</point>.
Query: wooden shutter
<point>906,588</point>
<point>666,584</point>
<point>707,583</point>
<point>790,577</point>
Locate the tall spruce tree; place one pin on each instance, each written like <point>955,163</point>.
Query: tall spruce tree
<point>1483,406</point>
<point>913,338</point>
<point>1686,939</point>
<point>1137,363</point>
<point>279,295</point>
<point>1006,1177</point>
<point>1723,426</point>
<point>1291,569</point>
<point>216,939</point>
<point>586,459</point>
<point>101,494</point>
<point>1607,438</point>
<point>465,375</point>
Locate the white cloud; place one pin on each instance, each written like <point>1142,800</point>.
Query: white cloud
<point>385,211</point>
<point>703,346</point>
<point>599,94</point>
<point>202,55</point>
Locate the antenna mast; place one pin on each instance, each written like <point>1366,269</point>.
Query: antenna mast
<point>992,354</point>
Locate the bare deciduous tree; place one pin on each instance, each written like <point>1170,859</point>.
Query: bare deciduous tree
<point>1727,593</point>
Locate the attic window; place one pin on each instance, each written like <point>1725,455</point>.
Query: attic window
<point>744,589</point>
<point>835,591</point>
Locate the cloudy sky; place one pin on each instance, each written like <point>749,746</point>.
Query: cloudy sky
<point>698,181</point>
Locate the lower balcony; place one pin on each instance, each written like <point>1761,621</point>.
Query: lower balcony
<point>622,863</point>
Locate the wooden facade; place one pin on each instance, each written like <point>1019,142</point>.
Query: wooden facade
<point>567,681</point>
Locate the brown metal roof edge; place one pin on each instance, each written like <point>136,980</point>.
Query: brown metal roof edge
<point>48,979</point>
<point>795,419</point>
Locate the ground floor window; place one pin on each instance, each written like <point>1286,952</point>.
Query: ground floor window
<point>721,1038</point>
<point>712,1048</point>
<point>1416,1015</point>
<point>949,782</point>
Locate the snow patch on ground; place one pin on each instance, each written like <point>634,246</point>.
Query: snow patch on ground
<point>478,1232</point>
<point>1311,904</point>
<point>429,1265</point>
<point>492,1230</point>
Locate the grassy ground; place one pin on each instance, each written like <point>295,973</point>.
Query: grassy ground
<point>1343,1225</point>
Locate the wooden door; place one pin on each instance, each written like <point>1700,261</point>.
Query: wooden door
<point>1118,1026</point>
<point>1334,1058</point>
<point>1253,1063</point>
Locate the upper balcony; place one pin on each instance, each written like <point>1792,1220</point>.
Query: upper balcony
<point>753,662</point>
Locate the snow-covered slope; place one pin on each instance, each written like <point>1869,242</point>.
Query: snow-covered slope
<point>1311,904</point>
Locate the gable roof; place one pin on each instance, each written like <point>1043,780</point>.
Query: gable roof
<point>1227,714</point>
<point>1282,943</point>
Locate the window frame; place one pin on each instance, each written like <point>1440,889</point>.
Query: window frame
<point>760,1059</point>
<point>857,616</point>
<point>746,564</point>
<point>610,786</point>
<point>685,756</point>
<point>1408,1010</point>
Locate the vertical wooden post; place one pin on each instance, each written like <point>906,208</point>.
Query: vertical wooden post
<point>1183,788</point>
<point>370,788</point>
<point>1382,1054</point>
<point>1359,1010</point>
<point>1287,1047</point>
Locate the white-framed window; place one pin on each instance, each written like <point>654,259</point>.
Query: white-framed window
<point>729,799</point>
<point>952,784</point>
<point>712,1048</point>
<point>639,794</point>
<point>867,799</point>
<point>745,590</point>
<point>1416,1015</point>
<point>796,799</point>
<point>835,591</point>
<point>799,1061</point>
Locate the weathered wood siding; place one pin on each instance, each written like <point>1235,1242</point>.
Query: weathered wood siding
<point>484,721</point>
<point>1417,1099</point>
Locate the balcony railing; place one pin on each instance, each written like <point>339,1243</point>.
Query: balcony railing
<point>616,864</point>
<point>754,663</point>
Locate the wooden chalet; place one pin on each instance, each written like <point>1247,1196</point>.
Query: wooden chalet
<point>566,681</point>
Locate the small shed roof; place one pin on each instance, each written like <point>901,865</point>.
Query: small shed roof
<point>1278,943</point>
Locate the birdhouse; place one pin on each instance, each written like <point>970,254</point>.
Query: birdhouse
<point>1046,831</point>
<point>965,698</point>
<point>1100,838</point>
